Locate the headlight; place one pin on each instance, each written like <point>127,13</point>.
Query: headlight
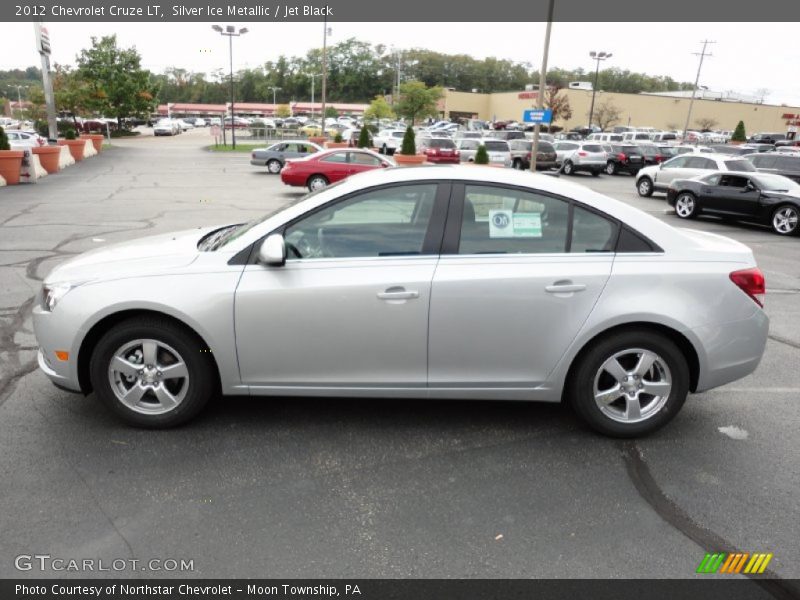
<point>53,292</point>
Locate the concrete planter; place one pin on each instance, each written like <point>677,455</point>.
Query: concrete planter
<point>336,144</point>
<point>76,148</point>
<point>409,160</point>
<point>97,140</point>
<point>48,156</point>
<point>11,165</point>
<point>318,139</point>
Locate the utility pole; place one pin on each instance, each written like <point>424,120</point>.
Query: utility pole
<point>324,71</point>
<point>542,84</point>
<point>702,55</point>
<point>313,79</point>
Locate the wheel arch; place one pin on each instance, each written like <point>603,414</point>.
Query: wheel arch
<point>684,345</point>
<point>102,326</point>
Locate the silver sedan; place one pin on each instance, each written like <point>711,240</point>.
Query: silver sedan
<point>275,156</point>
<point>454,282</point>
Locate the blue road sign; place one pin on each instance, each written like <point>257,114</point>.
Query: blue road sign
<point>537,115</point>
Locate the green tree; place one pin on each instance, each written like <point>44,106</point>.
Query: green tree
<point>283,111</point>
<point>331,113</point>
<point>363,138</point>
<point>119,87</point>
<point>739,133</point>
<point>409,145</point>
<point>4,145</point>
<point>379,109</point>
<point>482,155</point>
<point>418,101</point>
<point>72,94</point>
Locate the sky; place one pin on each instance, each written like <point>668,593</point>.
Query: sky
<point>740,61</point>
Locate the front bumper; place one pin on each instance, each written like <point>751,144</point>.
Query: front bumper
<point>60,381</point>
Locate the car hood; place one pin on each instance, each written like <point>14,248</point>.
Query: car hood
<point>153,254</point>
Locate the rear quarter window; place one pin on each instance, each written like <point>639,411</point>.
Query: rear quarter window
<point>739,165</point>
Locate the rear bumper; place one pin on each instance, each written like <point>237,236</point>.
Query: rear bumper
<point>732,350</point>
<point>444,160</point>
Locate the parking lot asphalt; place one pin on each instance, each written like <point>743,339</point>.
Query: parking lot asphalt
<point>370,488</point>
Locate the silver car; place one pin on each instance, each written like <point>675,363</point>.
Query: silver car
<point>498,150</point>
<point>581,156</point>
<point>453,282</point>
<point>656,178</point>
<point>275,156</point>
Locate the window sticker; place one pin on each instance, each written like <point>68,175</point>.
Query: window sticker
<point>508,224</point>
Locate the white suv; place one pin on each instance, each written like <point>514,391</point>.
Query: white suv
<point>389,140</point>
<point>657,178</point>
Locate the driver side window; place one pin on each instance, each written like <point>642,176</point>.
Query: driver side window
<point>386,222</point>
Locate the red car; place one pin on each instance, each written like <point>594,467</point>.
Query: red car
<point>440,151</point>
<point>329,166</point>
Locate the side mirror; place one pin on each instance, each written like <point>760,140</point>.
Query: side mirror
<point>749,187</point>
<point>273,251</point>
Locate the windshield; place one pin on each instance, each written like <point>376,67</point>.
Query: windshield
<point>778,183</point>
<point>221,237</point>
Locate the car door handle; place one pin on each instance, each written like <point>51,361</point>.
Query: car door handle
<point>398,294</point>
<point>564,288</point>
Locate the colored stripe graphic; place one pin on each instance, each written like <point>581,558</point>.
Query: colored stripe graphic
<point>734,563</point>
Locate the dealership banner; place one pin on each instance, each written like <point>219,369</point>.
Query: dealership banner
<point>388,589</point>
<point>406,11</point>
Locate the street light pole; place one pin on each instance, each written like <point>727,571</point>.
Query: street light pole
<point>313,79</point>
<point>274,89</point>
<point>596,56</point>
<point>542,83</point>
<point>324,71</point>
<point>696,81</point>
<point>230,32</point>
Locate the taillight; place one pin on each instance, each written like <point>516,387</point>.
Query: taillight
<point>621,156</point>
<point>457,153</point>
<point>252,155</point>
<point>659,158</point>
<point>582,154</point>
<point>752,283</point>
<point>528,156</point>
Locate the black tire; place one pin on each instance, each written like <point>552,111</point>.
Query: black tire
<point>201,382</point>
<point>568,168</point>
<point>611,168</point>
<point>784,220</point>
<point>644,186</point>
<point>517,164</point>
<point>317,182</point>
<point>686,206</point>
<point>384,150</point>
<point>580,387</point>
<point>274,166</point>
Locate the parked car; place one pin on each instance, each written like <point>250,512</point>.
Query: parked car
<point>781,143</point>
<point>658,177</point>
<point>693,150</point>
<point>317,171</point>
<point>733,149</point>
<point>426,283</point>
<point>652,155</point>
<point>439,150</point>
<point>667,151</point>
<point>184,125</point>
<point>20,140</point>
<point>389,140</point>
<point>776,163</point>
<point>624,158</point>
<point>546,157</point>
<point>763,198</point>
<point>498,150</point>
<point>236,123</point>
<point>767,138</point>
<point>166,127</point>
<point>275,156</point>
<point>588,156</point>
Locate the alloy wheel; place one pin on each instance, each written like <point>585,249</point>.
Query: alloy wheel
<point>685,206</point>
<point>785,220</point>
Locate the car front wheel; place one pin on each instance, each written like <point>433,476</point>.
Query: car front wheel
<point>630,383</point>
<point>785,220</point>
<point>611,168</point>
<point>151,372</point>
<point>274,166</point>
<point>645,187</point>
<point>569,168</point>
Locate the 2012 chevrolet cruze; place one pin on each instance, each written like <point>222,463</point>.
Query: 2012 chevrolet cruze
<point>446,282</point>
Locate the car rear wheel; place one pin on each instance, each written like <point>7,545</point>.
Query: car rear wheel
<point>569,168</point>
<point>645,187</point>
<point>274,166</point>
<point>317,182</point>
<point>630,383</point>
<point>611,168</point>
<point>151,372</point>
<point>384,150</point>
<point>785,220</point>
<point>517,164</point>
<point>686,206</point>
